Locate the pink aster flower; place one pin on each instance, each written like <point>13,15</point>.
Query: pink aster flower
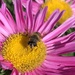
<point>67,5</point>
<point>35,5</point>
<point>46,57</point>
<point>72,4</point>
<point>38,3</point>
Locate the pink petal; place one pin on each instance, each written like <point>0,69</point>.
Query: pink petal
<point>49,73</point>
<point>29,16</point>
<point>69,47</point>
<point>14,72</point>
<point>35,7</point>
<point>5,22</point>
<point>69,71</point>
<point>42,28</point>
<point>68,1</point>
<point>4,31</point>
<point>3,7</point>
<point>52,23</point>
<point>6,65</point>
<point>11,20</point>
<point>19,15</point>
<point>50,64</point>
<point>26,73</point>
<point>2,38</point>
<point>65,61</point>
<point>49,69</point>
<point>60,30</point>
<point>8,16</point>
<point>40,1</point>
<point>60,42</point>
<point>64,39</point>
<point>38,72</point>
<point>40,19</point>
<point>1,58</point>
<point>29,73</point>
<point>33,72</point>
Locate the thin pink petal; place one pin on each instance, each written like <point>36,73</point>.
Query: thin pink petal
<point>42,28</point>
<point>52,23</point>
<point>25,73</point>
<point>50,64</point>
<point>49,73</point>
<point>69,47</point>
<point>60,30</point>
<point>1,58</point>
<point>4,31</point>
<point>6,65</point>
<point>29,16</point>
<point>3,7</point>
<point>35,7</point>
<point>14,72</point>
<point>38,72</point>
<point>2,38</point>
<point>33,72</point>
<point>40,19</point>
<point>69,71</point>
<point>61,42</point>
<point>40,1</point>
<point>8,16</point>
<point>19,16</point>
<point>29,73</point>
<point>5,22</point>
<point>11,20</point>
<point>63,39</point>
<point>65,61</point>
<point>49,69</point>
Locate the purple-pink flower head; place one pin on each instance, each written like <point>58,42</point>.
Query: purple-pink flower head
<point>44,57</point>
<point>67,5</point>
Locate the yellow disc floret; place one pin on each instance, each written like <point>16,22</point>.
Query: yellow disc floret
<point>24,58</point>
<point>58,4</point>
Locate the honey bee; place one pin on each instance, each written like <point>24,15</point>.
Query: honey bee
<point>34,38</point>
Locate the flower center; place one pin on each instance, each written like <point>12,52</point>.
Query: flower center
<point>61,5</point>
<point>24,58</point>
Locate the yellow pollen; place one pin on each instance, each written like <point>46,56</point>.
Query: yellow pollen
<point>24,58</point>
<point>58,4</point>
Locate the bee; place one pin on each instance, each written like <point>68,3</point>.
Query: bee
<point>34,38</point>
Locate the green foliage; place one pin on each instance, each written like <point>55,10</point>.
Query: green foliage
<point>1,71</point>
<point>10,6</point>
<point>5,72</point>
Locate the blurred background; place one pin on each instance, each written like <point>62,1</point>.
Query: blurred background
<point>10,6</point>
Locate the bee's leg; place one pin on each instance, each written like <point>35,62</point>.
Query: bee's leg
<point>35,44</point>
<point>32,44</point>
